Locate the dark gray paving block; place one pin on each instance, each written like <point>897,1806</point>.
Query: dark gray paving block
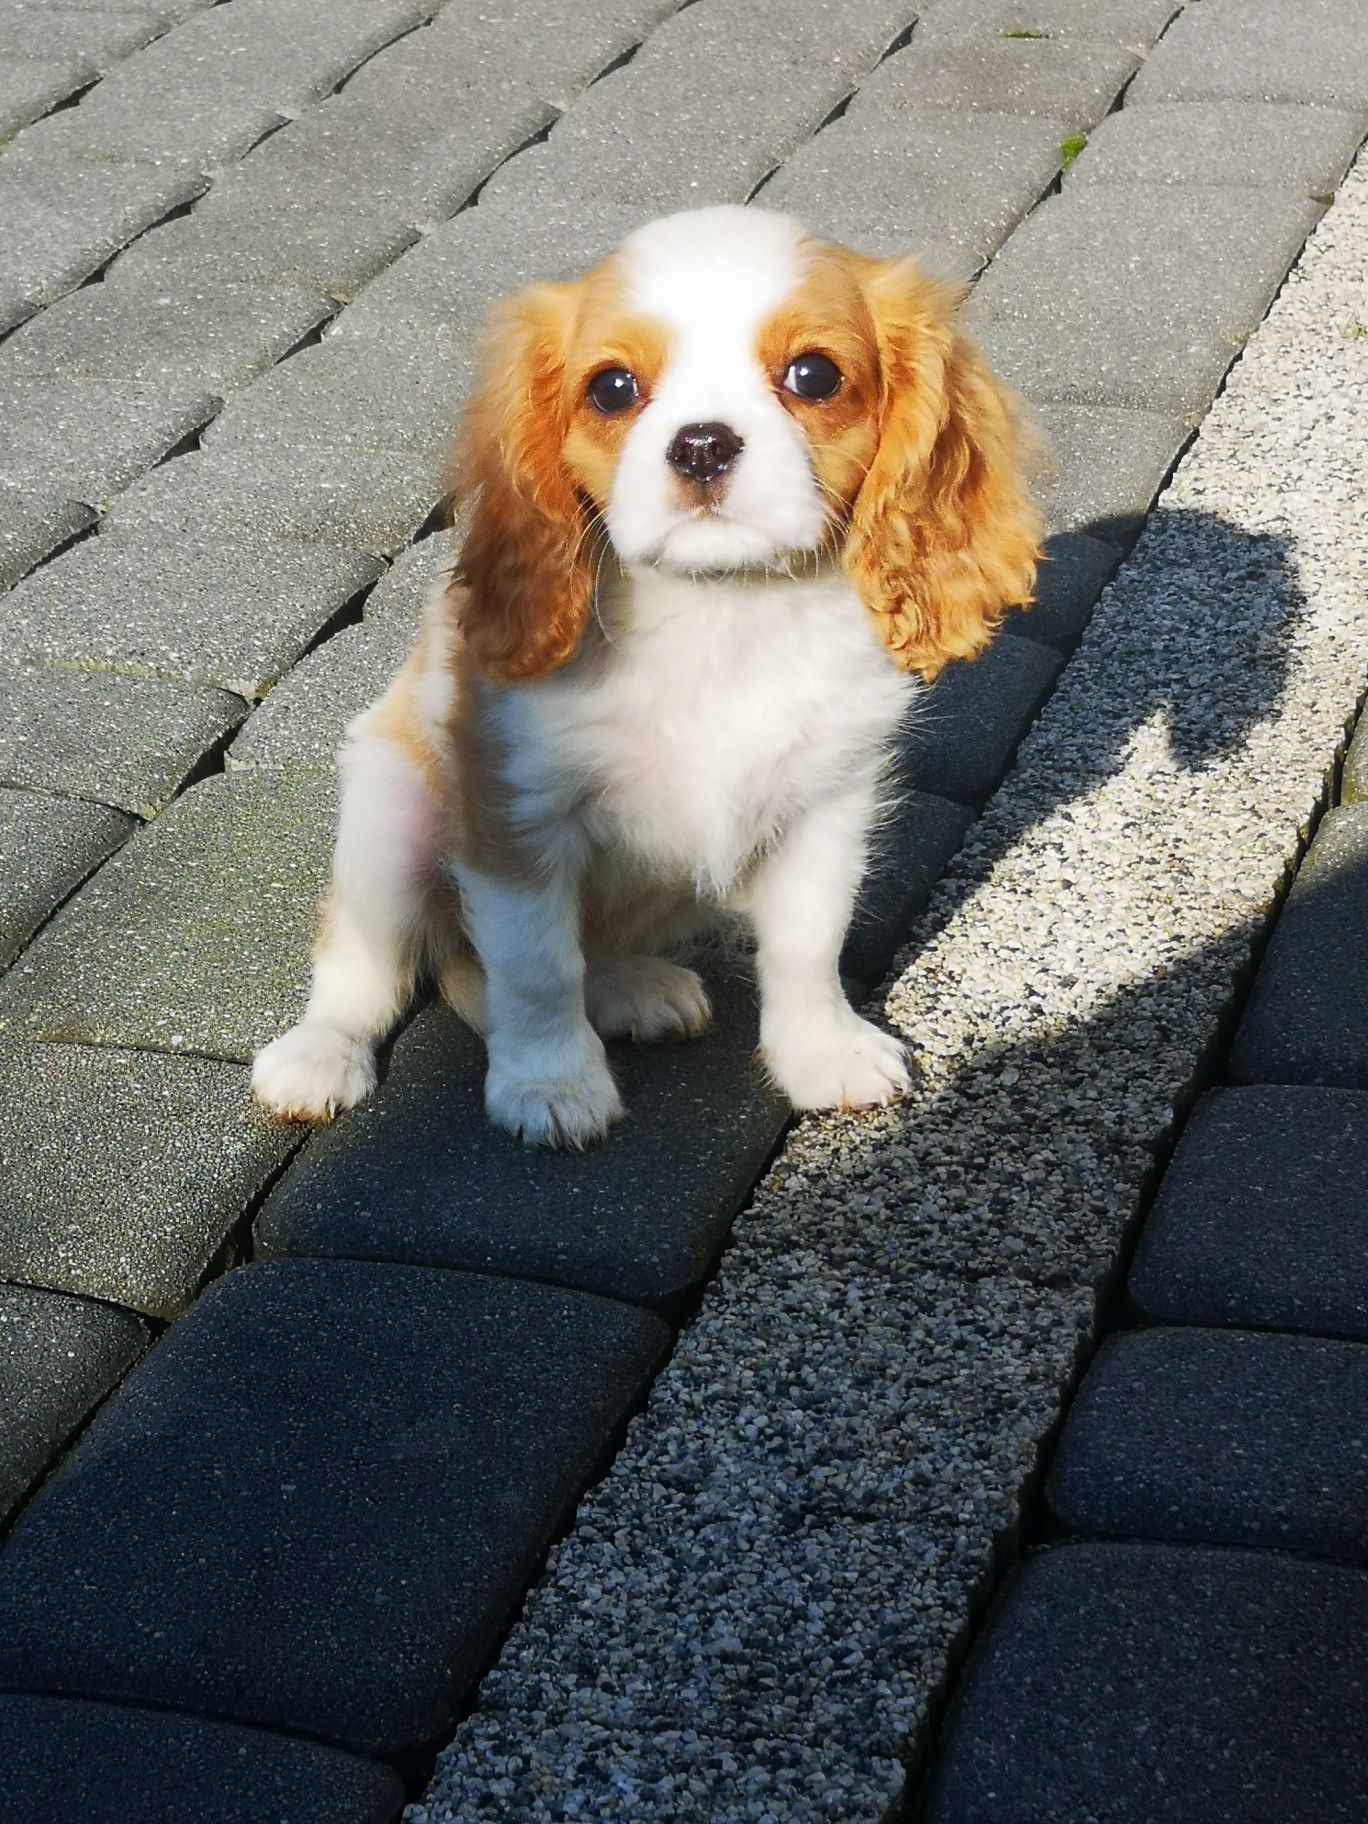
<point>401,592</point>
<point>1224,1436</point>
<point>357,499</point>
<point>127,742</point>
<point>1262,1216</point>
<point>910,853</point>
<point>1133,21</point>
<point>1314,52</point>
<point>219,338</point>
<point>87,439</point>
<point>59,1357</point>
<point>1225,143</point>
<point>946,184</point>
<point>93,38</point>
<point>318,1504</point>
<point>182,605</point>
<point>1354,783</point>
<point>640,1217</point>
<point>124,1172</point>
<point>31,86</point>
<point>1074,572</point>
<point>1104,466</point>
<point>1307,1018</point>
<point>1070,79</point>
<point>1149,1684</point>
<point>304,719</point>
<point>117,124</point>
<point>195,937</point>
<point>965,728</point>
<point>1155,328</point>
<point>68,1761</point>
<point>31,527</point>
<point>47,848</point>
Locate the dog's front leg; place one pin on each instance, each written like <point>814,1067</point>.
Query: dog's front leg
<point>548,1076</point>
<point>800,899</point>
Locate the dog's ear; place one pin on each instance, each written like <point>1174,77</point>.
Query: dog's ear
<point>943,536</point>
<point>523,582</point>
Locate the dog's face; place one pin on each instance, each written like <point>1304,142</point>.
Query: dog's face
<point>724,392</point>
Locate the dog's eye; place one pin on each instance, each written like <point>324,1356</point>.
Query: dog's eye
<point>811,377</point>
<point>612,390</point>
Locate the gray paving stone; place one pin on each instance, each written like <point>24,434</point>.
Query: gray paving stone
<point>304,719</point>
<point>910,853</point>
<point>47,848</point>
<point>127,742</point>
<point>1262,1217</point>
<point>73,1762</point>
<point>401,592</point>
<point>1265,52</point>
<point>267,1487</point>
<point>91,38</point>
<point>1307,1017</point>
<point>114,127</point>
<point>946,184</point>
<point>641,1217</point>
<point>126,1173</point>
<point>1074,572</point>
<point>1104,467</point>
<point>1134,21</point>
<point>1225,143</point>
<point>59,1357</point>
<point>1148,1684</point>
<point>219,338</point>
<point>1354,782</point>
<point>32,527</point>
<point>31,86</point>
<point>195,937</point>
<point>356,499</point>
<point>1069,79</point>
<point>186,606</point>
<point>1154,328</point>
<point>87,439</point>
<point>966,728</point>
<point>66,216</point>
<point>1222,1436</point>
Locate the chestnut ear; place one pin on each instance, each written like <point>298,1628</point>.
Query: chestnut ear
<point>523,582</point>
<point>943,535</point>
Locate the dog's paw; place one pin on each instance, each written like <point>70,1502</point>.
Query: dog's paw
<point>645,998</point>
<point>566,1102</point>
<point>846,1063</point>
<point>312,1073</point>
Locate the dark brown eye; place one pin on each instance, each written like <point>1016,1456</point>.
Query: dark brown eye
<point>612,390</point>
<point>811,377</point>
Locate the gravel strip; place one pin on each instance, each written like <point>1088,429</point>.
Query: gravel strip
<point>1058,995</point>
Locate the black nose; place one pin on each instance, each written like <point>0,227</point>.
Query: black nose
<point>702,452</point>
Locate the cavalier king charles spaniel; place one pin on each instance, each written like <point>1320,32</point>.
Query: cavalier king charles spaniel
<point>729,495</point>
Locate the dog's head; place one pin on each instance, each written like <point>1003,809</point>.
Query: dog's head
<point>725,392</point>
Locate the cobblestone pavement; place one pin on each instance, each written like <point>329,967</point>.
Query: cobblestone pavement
<point>288,1428</point>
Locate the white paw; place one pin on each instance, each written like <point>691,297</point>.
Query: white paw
<point>312,1073</point>
<point>844,1063</point>
<point>645,998</point>
<point>555,1099</point>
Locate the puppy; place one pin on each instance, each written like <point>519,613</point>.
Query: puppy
<point>730,495</point>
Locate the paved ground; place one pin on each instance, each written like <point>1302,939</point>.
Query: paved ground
<point>247,248</point>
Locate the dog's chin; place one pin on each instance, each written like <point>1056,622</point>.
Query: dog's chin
<point>713,542</point>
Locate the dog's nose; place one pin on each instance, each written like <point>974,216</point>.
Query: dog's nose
<point>702,452</point>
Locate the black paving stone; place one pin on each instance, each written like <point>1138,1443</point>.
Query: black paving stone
<point>59,1357</point>
<point>1151,1684</point>
<point>420,1175</point>
<point>71,1762</point>
<point>1227,1436</point>
<point>910,853</point>
<point>966,728</point>
<point>318,1503</point>
<point>1262,1217</point>
<point>1068,583</point>
<point>1307,1018</point>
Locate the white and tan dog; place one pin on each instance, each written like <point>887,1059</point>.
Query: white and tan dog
<point>728,493</point>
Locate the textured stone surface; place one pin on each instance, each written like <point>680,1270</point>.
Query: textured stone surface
<point>303,721</point>
<point>1354,784</point>
<point>400,593</point>
<point>195,937</point>
<point>1137,22</point>
<point>127,742</point>
<point>419,1174</point>
<point>32,527</point>
<point>909,856</point>
<point>30,86</point>
<point>1226,143</point>
<point>319,1501</point>
<point>1145,1684</point>
<point>1069,79</point>
<point>1315,53</point>
<point>94,38</point>
<point>1068,584</point>
<point>73,1762</point>
<point>124,1172</point>
<point>1307,1018</point>
<point>1223,1436</point>
<point>1262,1216</point>
<point>964,731</point>
<point>87,439</point>
<point>118,125</point>
<point>183,605</point>
<point>1104,466</point>
<point>47,848</point>
<point>59,1357</point>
